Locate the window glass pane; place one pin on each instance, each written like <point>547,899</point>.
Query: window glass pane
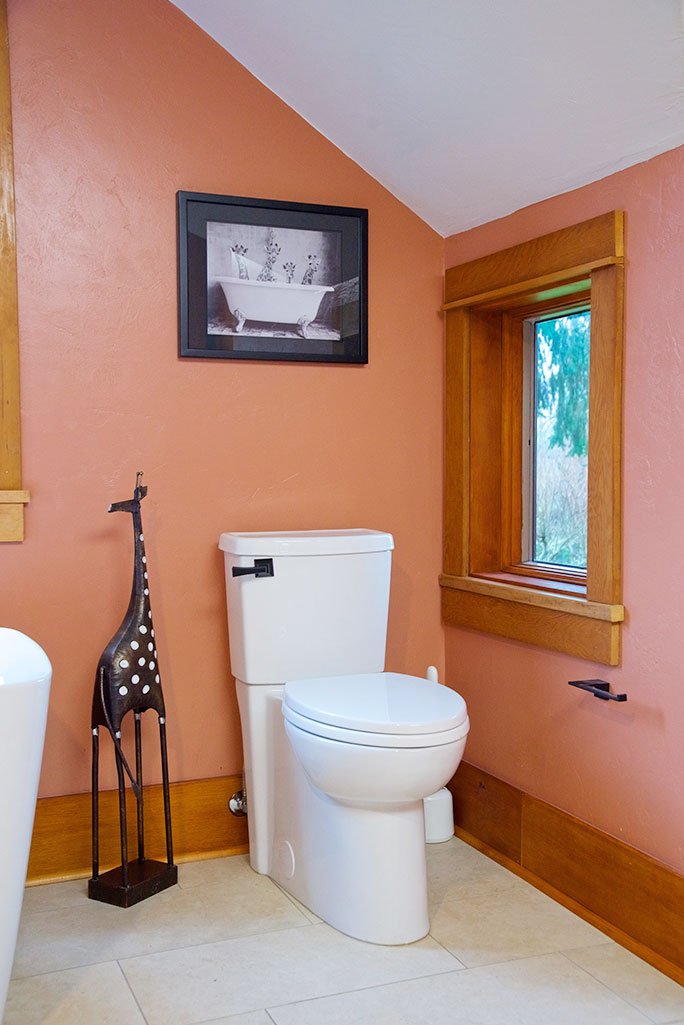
<point>561,433</point>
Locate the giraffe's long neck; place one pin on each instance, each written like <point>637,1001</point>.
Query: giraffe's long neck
<point>139,605</point>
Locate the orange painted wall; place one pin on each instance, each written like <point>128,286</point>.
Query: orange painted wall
<point>116,106</point>
<point>617,766</point>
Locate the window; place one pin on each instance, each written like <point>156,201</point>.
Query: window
<point>555,435</point>
<point>532,495</point>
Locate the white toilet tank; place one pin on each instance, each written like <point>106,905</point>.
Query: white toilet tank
<point>322,612</point>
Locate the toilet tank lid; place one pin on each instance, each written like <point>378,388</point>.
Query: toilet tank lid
<point>306,542</point>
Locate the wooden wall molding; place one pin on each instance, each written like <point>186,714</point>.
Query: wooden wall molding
<point>201,823</point>
<point>568,252</point>
<point>14,500</point>
<point>625,893</point>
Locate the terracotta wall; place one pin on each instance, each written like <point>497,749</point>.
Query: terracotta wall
<point>617,766</point>
<point>117,106</point>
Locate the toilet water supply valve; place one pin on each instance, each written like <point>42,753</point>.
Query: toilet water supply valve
<point>238,801</point>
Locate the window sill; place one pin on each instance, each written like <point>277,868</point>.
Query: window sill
<point>521,577</point>
<point>561,622</point>
<point>12,515</point>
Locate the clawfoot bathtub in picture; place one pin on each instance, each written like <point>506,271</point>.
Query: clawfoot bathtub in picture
<point>273,302</point>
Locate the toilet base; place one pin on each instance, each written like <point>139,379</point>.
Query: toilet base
<point>364,873</point>
<point>361,869</point>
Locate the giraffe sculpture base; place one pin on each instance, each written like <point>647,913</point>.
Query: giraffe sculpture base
<point>145,878</point>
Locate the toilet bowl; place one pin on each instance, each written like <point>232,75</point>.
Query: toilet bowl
<point>339,754</point>
<point>375,739</point>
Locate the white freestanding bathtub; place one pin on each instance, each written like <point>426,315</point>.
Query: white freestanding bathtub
<point>25,675</point>
<point>273,301</point>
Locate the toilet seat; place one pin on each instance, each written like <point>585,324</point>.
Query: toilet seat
<point>377,710</point>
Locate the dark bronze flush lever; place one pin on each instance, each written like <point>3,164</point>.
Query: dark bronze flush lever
<point>261,568</point>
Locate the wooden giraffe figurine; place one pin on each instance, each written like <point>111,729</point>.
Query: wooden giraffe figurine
<point>128,680</point>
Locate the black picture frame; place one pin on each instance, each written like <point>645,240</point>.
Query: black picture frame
<point>270,280</point>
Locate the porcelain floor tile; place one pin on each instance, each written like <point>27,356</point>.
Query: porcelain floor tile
<point>456,870</point>
<point>301,907</point>
<point>503,925</point>
<point>223,875</point>
<point>221,872</point>
<point>95,932</point>
<point>204,983</point>
<point>95,995</point>
<point>638,983</point>
<point>535,991</point>
<point>53,896</point>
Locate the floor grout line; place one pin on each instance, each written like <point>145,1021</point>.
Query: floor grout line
<point>449,952</point>
<point>165,950</point>
<point>358,989</point>
<point>132,992</point>
<point>610,988</point>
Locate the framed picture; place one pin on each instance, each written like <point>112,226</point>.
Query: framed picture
<point>263,279</point>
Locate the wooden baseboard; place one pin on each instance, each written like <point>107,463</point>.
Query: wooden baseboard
<point>630,896</point>
<point>202,827</point>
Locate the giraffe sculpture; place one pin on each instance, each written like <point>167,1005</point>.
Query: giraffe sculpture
<point>128,680</point>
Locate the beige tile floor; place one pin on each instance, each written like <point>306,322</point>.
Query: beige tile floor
<point>227,947</point>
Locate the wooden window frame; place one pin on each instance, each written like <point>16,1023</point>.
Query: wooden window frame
<point>512,470</point>
<point>484,584</point>
<point>12,497</point>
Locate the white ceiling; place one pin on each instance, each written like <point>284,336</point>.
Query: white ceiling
<point>469,109</point>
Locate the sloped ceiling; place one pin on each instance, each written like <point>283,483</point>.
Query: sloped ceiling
<point>469,109</point>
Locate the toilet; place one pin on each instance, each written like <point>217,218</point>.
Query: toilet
<point>339,754</point>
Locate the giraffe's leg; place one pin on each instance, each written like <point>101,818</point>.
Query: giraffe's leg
<point>165,785</point>
<point>138,777</point>
<point>96,803</point>
<point>122,819</point>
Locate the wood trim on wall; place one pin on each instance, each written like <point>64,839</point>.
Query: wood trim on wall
<point>457,457</point>
<point>12,497</point>
<point>568,252</point>
<point>484,581</point>
<point>604,505</point>
<point>532,618</point>
<point>202,827</point>
<point>627,894</point>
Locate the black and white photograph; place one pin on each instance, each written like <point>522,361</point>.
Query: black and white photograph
<point>271,280</point>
